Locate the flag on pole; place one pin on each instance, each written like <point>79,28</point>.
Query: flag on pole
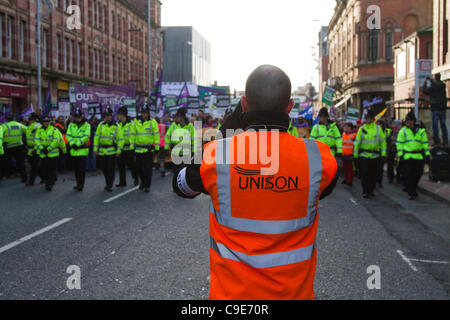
<point>381,114</point>
<point>27,112</point>
<point>183,96</point>
<point>307,113</point>
<point>155,96</point>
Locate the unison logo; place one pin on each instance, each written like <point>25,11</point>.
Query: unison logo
<point>251,180</point>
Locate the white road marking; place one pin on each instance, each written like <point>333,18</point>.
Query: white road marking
<point>120,195</point>
<point>34,234</point>
<point>429,261</point>
<point>407,260</point>
<point>354,201</point>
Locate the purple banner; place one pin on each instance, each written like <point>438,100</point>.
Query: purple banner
<point>111,96</point>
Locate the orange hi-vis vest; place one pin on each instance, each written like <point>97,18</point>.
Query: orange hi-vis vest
<point>348,140</point>
<point>263,227</point>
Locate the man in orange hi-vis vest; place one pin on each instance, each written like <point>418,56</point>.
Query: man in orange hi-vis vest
<point>265,187</point>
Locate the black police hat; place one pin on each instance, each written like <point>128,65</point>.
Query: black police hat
<point>33,116</point>
<point>123,111</point>
<point>46,119</point>
<point>78,113</point>
<point>324,112</point>
<point>145,108</point>
<point>370,114</point>
<point>411,116</point>
<point>109,112</point>
<point>181,112</point>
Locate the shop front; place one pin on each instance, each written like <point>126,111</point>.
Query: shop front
<point>13,93</point>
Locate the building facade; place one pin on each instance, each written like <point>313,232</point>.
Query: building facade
<point>187,56</point>
<point>419,45</point>
<point>110,48</point>
<point>323,61</point>
<point>361,58</point>
<point>441,40</point>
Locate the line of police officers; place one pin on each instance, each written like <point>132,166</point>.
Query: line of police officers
<point>370,150</point>
<point>131,142</point>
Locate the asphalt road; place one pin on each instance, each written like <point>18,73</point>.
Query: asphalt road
<point>155,246</point>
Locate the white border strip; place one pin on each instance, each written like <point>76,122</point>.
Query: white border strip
<point>120,195</point>
<point>34,234</point>
<point>407,260</point>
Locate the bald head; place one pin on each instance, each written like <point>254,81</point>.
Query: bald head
<point>268,88</point>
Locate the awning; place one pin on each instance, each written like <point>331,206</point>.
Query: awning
<point>13,90</point>
<point>343,101</point>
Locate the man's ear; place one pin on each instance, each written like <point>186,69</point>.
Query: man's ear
<point>244,104</point>
<point>290,106</point>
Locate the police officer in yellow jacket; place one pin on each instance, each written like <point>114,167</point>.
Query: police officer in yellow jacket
<point>369,148</point>
<point>413,152</point>
<point>127,157</point>
<point>2,153</point>
<point>147,141</point>
<point>108,145</point>
<point>32,156</point>
<point>49,142</point>
<point>327,132</point>
<point>13,133</point>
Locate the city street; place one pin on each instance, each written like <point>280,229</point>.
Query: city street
<point>133,245</point>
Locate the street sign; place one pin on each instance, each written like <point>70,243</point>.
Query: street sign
<point>423,70</point>
<point>328,95</point>
<point>352,114</point>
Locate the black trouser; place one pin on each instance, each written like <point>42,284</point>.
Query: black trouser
<point>18,153</point>
<point>79,164</point>
<point>380,170</point>
<point>62,163</point>
<point>34,167</point>
<point>48,170</point>
<point>412,173</point>
<point>127,158</point>
<point>390,167</point>
<point>144,165</point>
<point>368,171</point>
<point>108,164</point>
<point>2,166</point>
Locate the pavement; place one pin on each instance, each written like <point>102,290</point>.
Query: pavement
<point>133,245</point>
<point>439,190</point>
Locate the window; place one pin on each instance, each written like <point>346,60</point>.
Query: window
<point>22,41</point>
<point>430,50</point>
<point>1,35</point>
<point>388,43</point>
<point>78,59</point>
<point>58,49</point>
<point>373,45</point>
<point>71,56</point>
<point>9,36</point>
<point>65,54</point>
<point>412,59</point>
<point>400,64</point>
<point>44,48</point>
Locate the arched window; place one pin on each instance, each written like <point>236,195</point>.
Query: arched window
<point>388,42</point>
<point>373,44</point>
<point>410,25</point>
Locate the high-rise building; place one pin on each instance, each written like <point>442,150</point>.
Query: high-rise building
<point>186,56</point>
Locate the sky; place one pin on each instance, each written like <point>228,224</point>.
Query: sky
<point>245,34</point>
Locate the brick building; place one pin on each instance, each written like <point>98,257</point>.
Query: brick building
<point>109,49</point>
<point>418,45</point>
<point>361,59</point>
<point>441,40</point>
<point>323,61</point>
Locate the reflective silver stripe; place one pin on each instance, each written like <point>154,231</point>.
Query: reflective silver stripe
<point>223,216</point>
<point>262,261</point>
